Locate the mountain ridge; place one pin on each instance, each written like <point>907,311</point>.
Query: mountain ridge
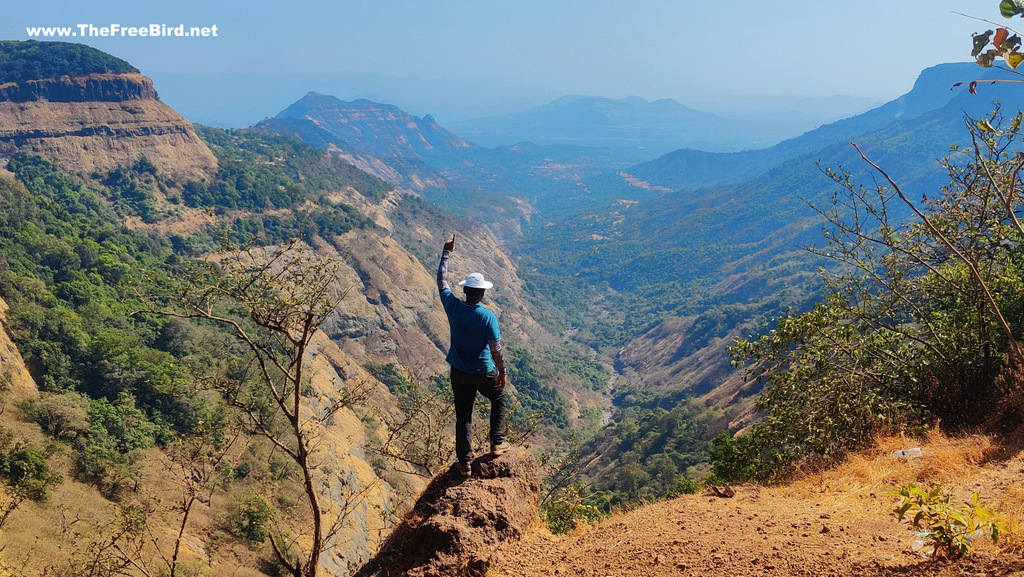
<point>597,122</point>
<point>932,89</point>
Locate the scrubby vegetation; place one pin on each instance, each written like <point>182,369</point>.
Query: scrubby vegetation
<point>31,60</point>
<point>648,450</point>
<point>25,474</point>
<point>259,173</point>
<point>921,322</point>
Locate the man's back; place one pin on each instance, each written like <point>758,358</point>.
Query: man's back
<point>473,326</point>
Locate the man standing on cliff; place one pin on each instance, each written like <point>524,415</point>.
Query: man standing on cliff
<point>475,358</point>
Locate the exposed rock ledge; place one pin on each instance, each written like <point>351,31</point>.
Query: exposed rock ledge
<point>458,525</point>
<point>89,88</point>
<point>95,123</point>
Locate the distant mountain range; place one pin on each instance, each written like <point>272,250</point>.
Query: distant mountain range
<point>933,90</point>
<point>589,121</point>
<point>420,155</point>
<point>379,138</point>
<point>659,126</point>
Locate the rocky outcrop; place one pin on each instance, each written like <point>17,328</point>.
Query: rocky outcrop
<point>90,88</point>
<point>95,123</point>
<point>459,524</point>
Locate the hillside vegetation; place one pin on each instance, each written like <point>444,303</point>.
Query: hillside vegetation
<point>122,394</point>
<point>32,60</point>
<point>921,324</point>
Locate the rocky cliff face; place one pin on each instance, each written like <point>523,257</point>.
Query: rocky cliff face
<point>95,123</point>
<point>364,505</point>
<point>392,312</point>
<point>89,88</point>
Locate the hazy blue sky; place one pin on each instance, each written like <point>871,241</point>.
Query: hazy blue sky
<point>485,56</point>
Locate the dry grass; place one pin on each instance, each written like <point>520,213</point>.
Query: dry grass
<point>961,464</point>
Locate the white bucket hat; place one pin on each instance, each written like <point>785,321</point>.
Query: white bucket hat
<point>476,280</point>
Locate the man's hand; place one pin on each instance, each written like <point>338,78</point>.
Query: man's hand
<point>501,381</point>
<point>450,245</point>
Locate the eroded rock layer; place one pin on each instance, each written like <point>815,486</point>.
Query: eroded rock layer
<point>95,123</point>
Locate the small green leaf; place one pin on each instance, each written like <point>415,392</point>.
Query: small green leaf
<point>1010,8</point>
<point>1013,60</point>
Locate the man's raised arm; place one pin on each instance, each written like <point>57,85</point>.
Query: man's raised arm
<point>442,267</point>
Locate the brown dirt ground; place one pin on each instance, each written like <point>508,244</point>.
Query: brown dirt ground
<point>840,522</point>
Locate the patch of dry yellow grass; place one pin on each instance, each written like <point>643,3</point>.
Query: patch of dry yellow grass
<point>961,464</point>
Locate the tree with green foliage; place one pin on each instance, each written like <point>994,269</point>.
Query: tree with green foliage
<point>25,473</point>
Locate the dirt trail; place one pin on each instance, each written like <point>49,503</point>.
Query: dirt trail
<point>841,523</point>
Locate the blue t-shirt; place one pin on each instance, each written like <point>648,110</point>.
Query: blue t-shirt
<point>472,327</point>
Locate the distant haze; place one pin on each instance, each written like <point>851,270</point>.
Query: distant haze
<point>458,59</point>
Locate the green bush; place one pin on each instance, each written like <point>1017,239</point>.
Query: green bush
<point>563,516</point>
<point>947,526</point>
<point>732,458</point>
<point>253,518</point>
<point>685,487</point>
<point>25,470</point>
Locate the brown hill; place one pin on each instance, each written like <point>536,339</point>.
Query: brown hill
<point>98,122</point>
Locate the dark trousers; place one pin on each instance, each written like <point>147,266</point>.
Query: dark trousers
<point>464,388</point>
